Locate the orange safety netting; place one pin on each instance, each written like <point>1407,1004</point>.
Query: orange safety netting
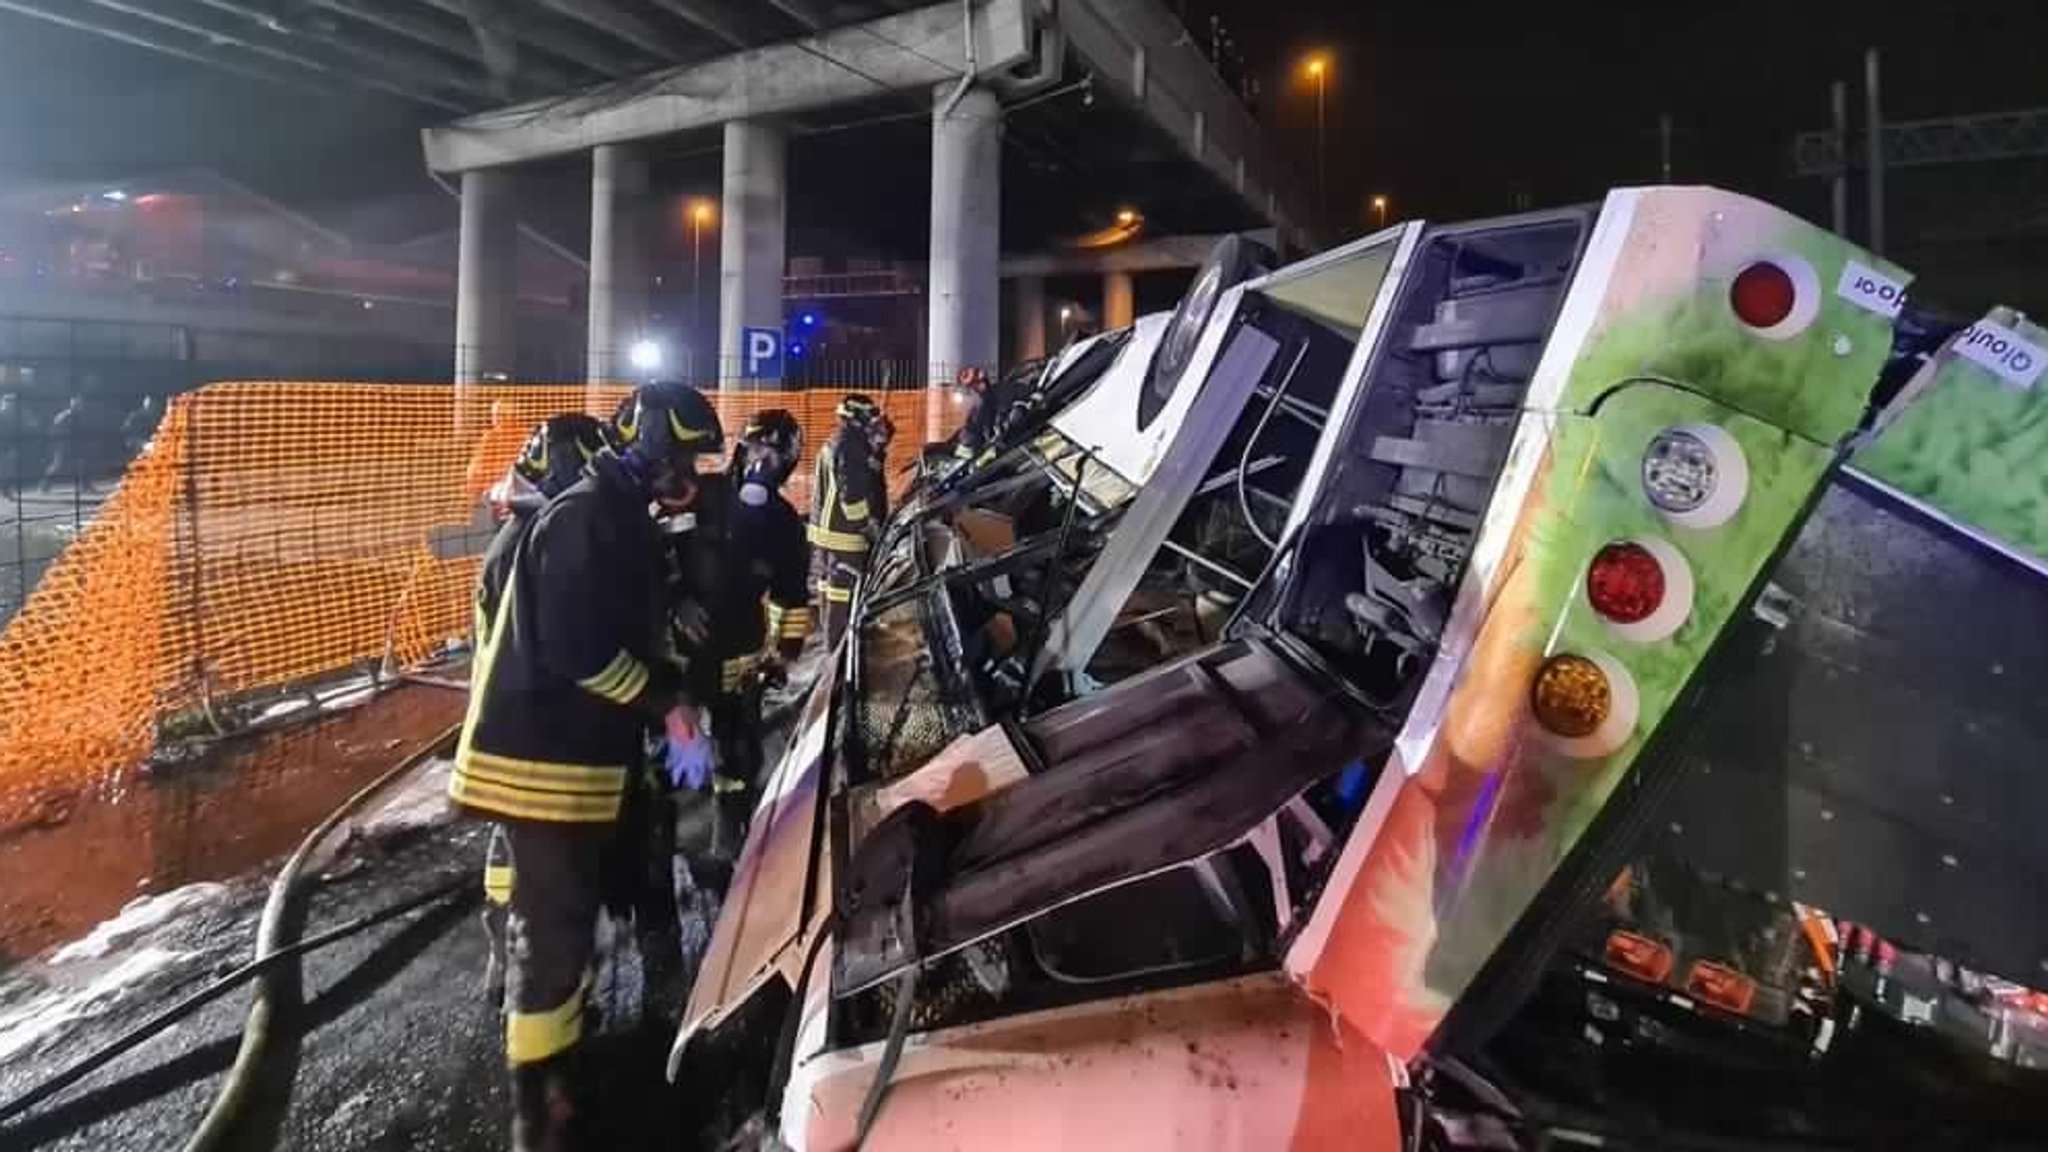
<point>276,533</point>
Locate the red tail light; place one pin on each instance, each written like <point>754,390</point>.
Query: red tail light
<point>1763,295</point>
<point>1625,582</point>
<point>1642,588</point>
<point>1638,956</point>
<point>1721,986</point>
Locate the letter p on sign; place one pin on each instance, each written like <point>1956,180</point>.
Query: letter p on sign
<point>761,353</point>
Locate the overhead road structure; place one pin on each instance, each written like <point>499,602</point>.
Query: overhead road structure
<point>1033,106</point>
<point>450,56</point>
<point>977,69</point>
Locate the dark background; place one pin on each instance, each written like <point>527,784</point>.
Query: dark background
<point>1450,109</point>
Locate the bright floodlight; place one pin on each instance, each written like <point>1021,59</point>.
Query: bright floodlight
<point>645,355</point>
<point>115,194</point>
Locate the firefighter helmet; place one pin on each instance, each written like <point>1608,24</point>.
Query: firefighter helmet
<point>859,410</point>
<point>663,428</point>
<point>556,452</point>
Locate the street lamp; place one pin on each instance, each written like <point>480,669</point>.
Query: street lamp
<point>1319,71</point>
<point>1379,210</point>
<point>700,215</point>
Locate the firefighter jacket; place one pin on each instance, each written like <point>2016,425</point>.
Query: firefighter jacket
<point>496,568</point>
<point>574,665</point>
<point>849,501</point>
<point>774,557</point>
<point>747,568</point>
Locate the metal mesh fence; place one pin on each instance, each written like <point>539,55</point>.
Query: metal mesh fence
<point>902,711</point>
<point>271,534</point>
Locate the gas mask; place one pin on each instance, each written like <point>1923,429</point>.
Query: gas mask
<point>879,435</point>
<point>514,495</point>
<point>763,469</point>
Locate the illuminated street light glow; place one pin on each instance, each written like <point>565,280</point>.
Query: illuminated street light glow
<point>115,195</point>
<point>1127,216</point>
<point>700,211</point>
<point>644,355</point>
<point>1317,68</point>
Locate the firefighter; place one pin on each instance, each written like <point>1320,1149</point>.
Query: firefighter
<point>761,615</point>
<point>849,503</point>
<point>978,430</point>
<point>553,458</point>
<point>67,444</point>
<point>574,667</point>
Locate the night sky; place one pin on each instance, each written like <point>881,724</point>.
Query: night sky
<point>1450,108</point>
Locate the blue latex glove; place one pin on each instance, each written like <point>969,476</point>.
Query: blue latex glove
<point>689,761</point>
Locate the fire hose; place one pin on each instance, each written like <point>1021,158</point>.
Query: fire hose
<point>273,990</point>
<point>275,952</point>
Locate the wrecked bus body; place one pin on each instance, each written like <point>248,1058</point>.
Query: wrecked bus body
<point>1233,748</point>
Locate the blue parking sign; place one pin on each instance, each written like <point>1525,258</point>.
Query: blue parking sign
<point>761,353</point>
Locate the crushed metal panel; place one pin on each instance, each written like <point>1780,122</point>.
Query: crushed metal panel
<point>1105,420</point>
<point>762,917</point>
<point>1211,402</point>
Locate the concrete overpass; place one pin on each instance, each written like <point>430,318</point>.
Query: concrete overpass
<point>526,85</point>
<point>967,61</point>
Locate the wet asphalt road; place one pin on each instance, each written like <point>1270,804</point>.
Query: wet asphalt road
<point>400,1050</point>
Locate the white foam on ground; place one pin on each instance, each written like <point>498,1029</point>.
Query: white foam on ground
<point>418,801</point>
<point>40,1019</point>
<point>115,963</point>
<point>140,916</point>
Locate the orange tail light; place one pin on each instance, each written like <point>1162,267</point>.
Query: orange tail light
<point>1638,956</point>
<point>1721,986</point>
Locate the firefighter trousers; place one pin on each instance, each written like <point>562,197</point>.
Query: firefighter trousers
<point>551,933</point>
<point>497,909</point>
<point>640,886</point>
<point>736,726</point>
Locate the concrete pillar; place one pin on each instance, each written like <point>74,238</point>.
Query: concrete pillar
<point>1118,308</point>
<point>1030,305</point>
<point>967,201</point>
<point>618,263</point>
<point>486,266</point>
<point>752,243</point>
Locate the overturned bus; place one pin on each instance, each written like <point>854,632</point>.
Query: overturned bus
<point>1357,709</point>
